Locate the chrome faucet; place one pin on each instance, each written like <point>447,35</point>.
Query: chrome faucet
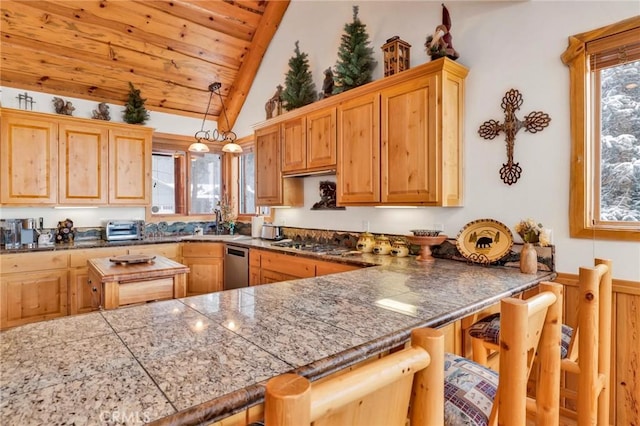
<point>218,214</point>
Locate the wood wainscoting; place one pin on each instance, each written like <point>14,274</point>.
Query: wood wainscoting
<point>625,346</point>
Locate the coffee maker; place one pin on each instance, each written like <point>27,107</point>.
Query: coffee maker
<point>11,230</point>
<point>29,233</point>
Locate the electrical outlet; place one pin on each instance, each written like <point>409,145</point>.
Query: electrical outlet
<point>438,227</point>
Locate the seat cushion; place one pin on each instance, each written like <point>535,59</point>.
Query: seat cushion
<point>469,391</point>
<point>488,329</point>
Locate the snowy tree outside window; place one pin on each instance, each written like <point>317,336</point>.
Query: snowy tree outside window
<point>619,143</point>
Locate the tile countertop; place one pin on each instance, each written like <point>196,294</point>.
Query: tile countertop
<point>203,358</point>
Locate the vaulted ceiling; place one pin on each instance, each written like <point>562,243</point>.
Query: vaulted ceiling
<point>171,50</point>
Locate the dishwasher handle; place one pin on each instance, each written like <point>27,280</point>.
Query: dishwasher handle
<point>232,251</point>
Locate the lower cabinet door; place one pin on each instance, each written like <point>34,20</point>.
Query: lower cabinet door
<point>205,275</point>
<point>84,296</point>
<point>33,296</point>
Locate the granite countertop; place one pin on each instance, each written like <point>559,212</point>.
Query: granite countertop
<point>205,357</point>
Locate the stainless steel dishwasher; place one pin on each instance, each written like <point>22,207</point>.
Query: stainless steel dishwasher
<point>236,267</point>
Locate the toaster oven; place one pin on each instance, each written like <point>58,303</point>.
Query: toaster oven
<point>122,230</point>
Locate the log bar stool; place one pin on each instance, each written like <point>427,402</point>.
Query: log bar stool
<point>586,350</point>
<point>377,393</point>
<point>531,331</point>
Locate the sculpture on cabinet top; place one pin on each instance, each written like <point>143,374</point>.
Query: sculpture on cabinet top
<point>534,122</point>
<point>327,84</point>
<point>273,107</point>
<point>63,107</point>
<point>102,112</point>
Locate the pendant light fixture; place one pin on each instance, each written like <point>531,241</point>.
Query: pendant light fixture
<point>227,137</point>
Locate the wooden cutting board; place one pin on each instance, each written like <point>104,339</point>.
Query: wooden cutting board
<point>132,258</point>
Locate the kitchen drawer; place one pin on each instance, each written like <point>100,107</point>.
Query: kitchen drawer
<point>289,265</point>
<point>30,262</point>
<point>170,251</point>
<point>203,250</point>
<point>78,258</point>
<point>326,268</point>
<point>143,291</point>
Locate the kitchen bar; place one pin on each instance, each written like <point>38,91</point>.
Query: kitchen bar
<point>204,358</point>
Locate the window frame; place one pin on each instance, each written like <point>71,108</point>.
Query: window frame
<point>167,143</point>
<point>248,145</point>
<point>582,221</point>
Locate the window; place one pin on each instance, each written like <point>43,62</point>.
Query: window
<point>604,69</point>
<point>247,182</point>
<point>185,185</point>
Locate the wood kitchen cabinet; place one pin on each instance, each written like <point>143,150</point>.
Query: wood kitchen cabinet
<point>171,251</point>
<point>254,267</point>
<point>33,287</point>
<point>294,145</point>
<point>205,261</point>
<point>358,173</point>
<point>402,144</point>
<point>271,188</point>
<point>83,153</point>
<point>309,143</point>
<point>130,166</point>
<point>49,159</point>
<point>267,267</point>
<point>28,158</point>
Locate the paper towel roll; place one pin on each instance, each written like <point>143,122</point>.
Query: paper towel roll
<point>256,226</point>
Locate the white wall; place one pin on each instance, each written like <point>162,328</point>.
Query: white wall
<point>505,45</point>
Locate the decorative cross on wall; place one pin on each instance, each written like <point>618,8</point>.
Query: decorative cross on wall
<point>535,122</point>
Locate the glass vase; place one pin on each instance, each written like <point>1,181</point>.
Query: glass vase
<point>528,259</point>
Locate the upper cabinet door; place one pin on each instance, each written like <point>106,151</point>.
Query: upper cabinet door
<point>294,145</point>
<point>28,152</point>
<point>410,163</point>
<point>358,172</point>
<point>321,139</point>
<point>268,171</point>
<point>130,166</point>
<point>84,164</point>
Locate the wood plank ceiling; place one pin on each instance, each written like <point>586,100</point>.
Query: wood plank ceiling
<point>169,49</point>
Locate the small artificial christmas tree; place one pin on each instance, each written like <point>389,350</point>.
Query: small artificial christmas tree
<point>299,87</point>
<point>135,112</point>
<point>355,57</point>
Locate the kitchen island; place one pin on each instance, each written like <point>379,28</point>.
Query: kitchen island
<point>199,359</point>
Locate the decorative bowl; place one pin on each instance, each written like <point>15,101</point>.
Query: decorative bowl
<point>425,232</point>
<point>425,244</point>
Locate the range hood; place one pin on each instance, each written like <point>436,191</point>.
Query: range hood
<point>310,173</point>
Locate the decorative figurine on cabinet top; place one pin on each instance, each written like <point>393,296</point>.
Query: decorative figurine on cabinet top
<point>327,84</point>
<point>63,107</point>
<point>273,107</point>
<point>102,113</point>
<point>396,56</point>
<point>440,44</point>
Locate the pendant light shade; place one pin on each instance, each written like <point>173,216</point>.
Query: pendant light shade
<point>205,136</point>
